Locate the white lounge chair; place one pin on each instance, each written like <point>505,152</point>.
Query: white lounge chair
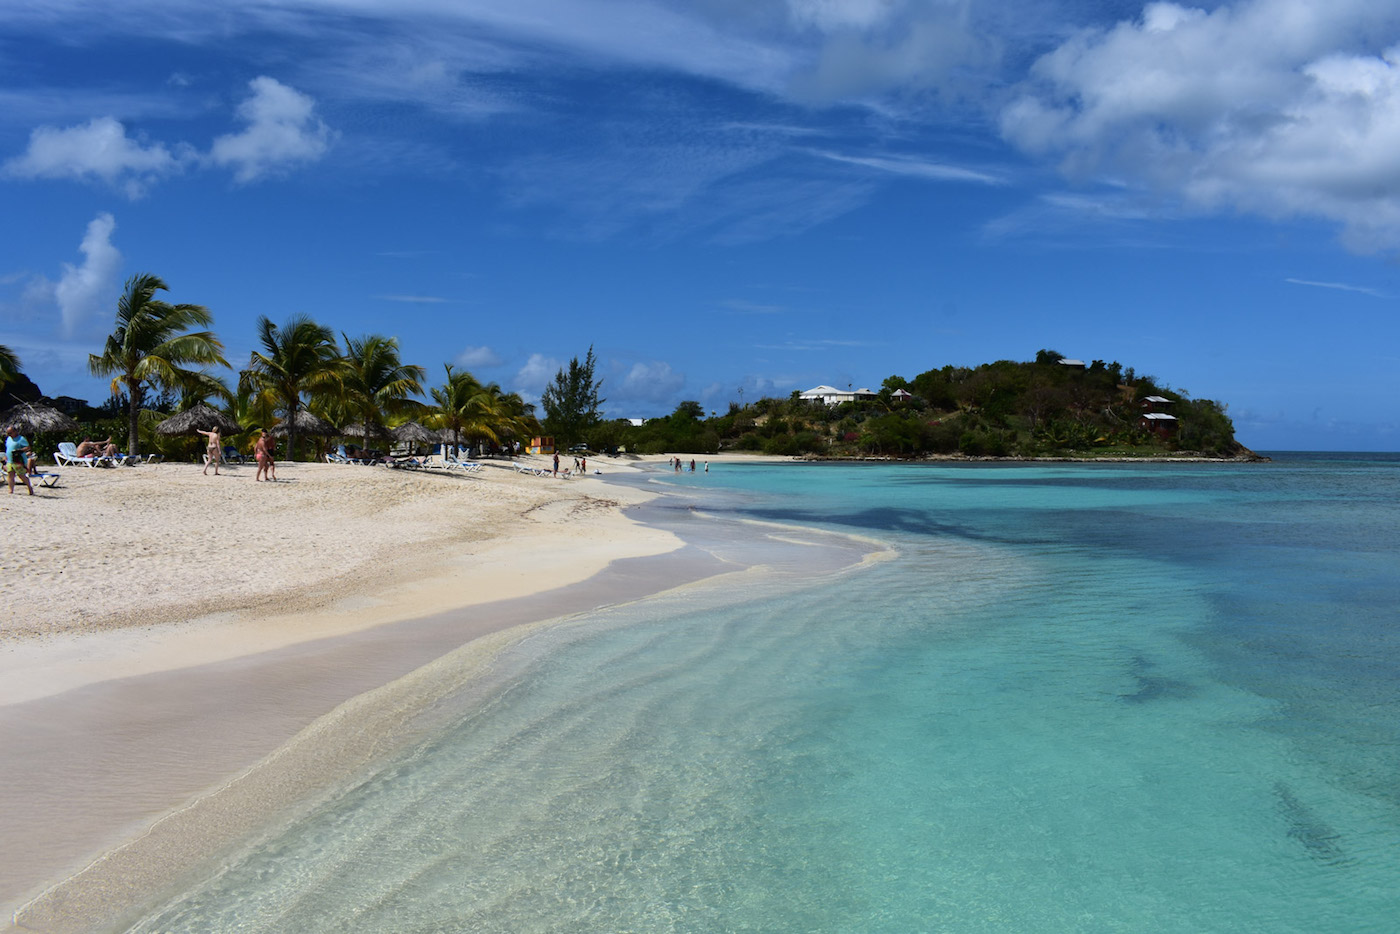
<point>454,463</point>
<point>67,456</point>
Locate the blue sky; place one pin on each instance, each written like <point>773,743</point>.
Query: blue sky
<point>716,194</point>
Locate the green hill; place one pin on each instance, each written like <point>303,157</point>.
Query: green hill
<point>1048,407</point>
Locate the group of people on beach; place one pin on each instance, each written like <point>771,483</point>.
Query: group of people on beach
<point>91,448</point>
<point>262,453</point>
<point>679,465</point>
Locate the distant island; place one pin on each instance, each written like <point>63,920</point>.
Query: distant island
<point>1050,407</point>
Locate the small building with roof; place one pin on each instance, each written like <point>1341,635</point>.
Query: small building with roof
<point>830,395</point>
<point>1159,423</point>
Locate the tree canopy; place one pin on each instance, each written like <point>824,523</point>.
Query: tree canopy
<point>571,403</point>
<point>153,346</point>
<point>296,359</point>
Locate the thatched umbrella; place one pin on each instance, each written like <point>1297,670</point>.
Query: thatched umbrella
<point>306,424</point>
<point>363,433</point>
<point>34,417</point>
<point>414,433</point>
<point>201,417</point>
<point>361,430</point>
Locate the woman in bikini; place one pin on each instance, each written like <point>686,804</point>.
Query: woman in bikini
<point>215,452</point>
<point>262,451</point>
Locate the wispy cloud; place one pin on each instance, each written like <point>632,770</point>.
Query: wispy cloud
<point>415,299</point>
<point>1339,286</point>
<point>742,307</point>
<point>532,378</point>
<point>915,168</point>
<point>806,346</point>
<point>653,383</point>
<point>478,357</point>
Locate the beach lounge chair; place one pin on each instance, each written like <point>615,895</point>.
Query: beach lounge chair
<point>231,455</point>
<point>454,463</point>
<point>47,478</point>
<point>67,456</point>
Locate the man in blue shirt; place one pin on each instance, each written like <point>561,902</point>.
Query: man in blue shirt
<point>17,458</point>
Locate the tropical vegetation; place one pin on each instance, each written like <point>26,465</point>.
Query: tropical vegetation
<point>1039,408</point>
<point>153,346</point>
<point>162,358</point>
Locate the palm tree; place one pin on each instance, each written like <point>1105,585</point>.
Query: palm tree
<point>506,414</point>
<point>9,364</point>
<point>375,383</point>
<point>479,412</point>
<point>152,346</point>
<point>454,401</point>
<point>300,357</point>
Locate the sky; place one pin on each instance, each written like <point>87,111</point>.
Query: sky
<point>728,199</point>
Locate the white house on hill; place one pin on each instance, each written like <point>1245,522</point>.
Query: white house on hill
<point>830,395</point>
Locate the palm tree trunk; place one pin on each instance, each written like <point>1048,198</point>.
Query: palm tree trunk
<point>292,432</point>
<point>133,412</point>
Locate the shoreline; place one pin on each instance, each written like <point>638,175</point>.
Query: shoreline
<point>217,694</point>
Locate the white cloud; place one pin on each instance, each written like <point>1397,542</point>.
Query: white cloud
<point>84,290</point>
<point>1275,107</point>
<point>283,130</point>
<point>650,382</point>
<point>97,149</point>
<point>872,48</point>
<point>478,357</point>
<point>532,378</point>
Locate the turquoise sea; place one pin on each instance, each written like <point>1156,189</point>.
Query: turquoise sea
<point>1079,698</point>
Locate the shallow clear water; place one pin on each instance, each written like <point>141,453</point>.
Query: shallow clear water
<point>1082,698</point>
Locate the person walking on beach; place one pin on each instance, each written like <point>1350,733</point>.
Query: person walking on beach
<point>215,451</point>
<point>556,463</point>
<point>17,453</point>
<point>262,453</point>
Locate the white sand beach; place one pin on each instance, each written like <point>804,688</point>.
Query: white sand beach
<point>149,579</point>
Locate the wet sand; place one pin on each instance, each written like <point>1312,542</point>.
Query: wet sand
<point>118,732</point>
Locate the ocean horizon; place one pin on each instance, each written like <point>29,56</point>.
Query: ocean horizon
<point>1076,697</point>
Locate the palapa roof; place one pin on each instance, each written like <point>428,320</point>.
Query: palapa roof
<point>200,417</point>
<point>307,424</point>
<point>413,432</point>
<point>35,416</point>
<point>357,430</point>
